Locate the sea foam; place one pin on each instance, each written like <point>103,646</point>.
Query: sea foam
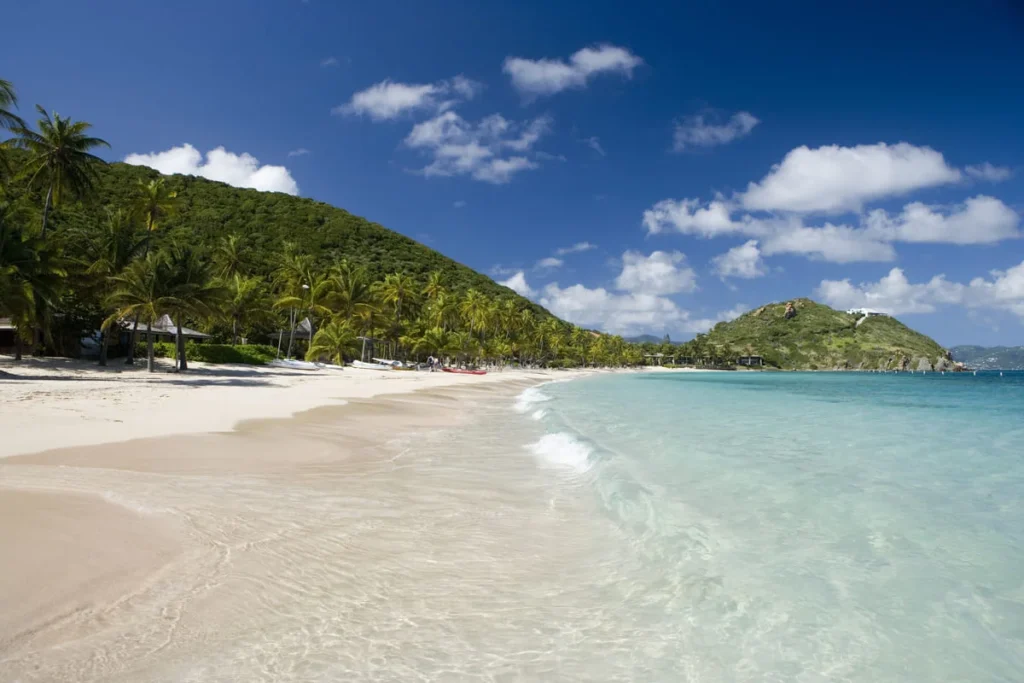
<point>562,451</point>
<point>530,398</point>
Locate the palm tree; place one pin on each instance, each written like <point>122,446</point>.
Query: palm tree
<point>230,258</point>
<point>294,275</point>
<point>142,292</point>
<point>351,290</point>
<point>335,340</point>
<point>398,291</point>
<point>475,311</point>
<point>8,119</point>
<point>192,291</point>
<point>432,341</point>
<point>246,303</point>
<point>435,286</point>
<point>152,202</point>
<point>113,252</point>
<point>443,311</point>
<point>60,160</point>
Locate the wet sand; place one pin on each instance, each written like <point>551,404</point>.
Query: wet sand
<point>308,548</point>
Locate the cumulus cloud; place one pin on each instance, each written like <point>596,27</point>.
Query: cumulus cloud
<point>389,100</point>
<point>575,249</point>
<point>549,263</point>
<point>517,283</point>
<point>979,220</point>
<point>691,217</point>
<point>708,130</point>
<point>743,261</point>
<point>615,313</point>
<point>536,77</point>
<point>660,273</point>
<point>240,170</point>
<point>492,150</point>
<point>834,179</point>
<point>987,171</point>
<point>895,294</point>
<point>835,243</point>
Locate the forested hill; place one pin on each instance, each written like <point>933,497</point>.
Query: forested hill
<point>804,335</point>
<point>991,357</point>
<point>207,211</point>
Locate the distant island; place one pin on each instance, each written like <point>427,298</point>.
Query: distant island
<point>990,357</point>
<point>801,334</point>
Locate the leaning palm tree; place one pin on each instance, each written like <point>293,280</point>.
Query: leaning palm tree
<point>118,245</point>
<point>294,276</point>
<point>398,292</point>
<point>59,158</point>
<point>435,286</point>
<point>334,341</point>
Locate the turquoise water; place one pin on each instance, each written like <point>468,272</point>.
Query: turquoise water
<point>803,527</point>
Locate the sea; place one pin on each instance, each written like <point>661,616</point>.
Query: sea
<point>794,526</point>
<point>716,527</point>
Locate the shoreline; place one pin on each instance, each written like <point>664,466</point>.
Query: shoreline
<point>168,535</point>
<point>48,404</point>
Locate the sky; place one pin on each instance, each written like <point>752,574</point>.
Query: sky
<point>634,167</point>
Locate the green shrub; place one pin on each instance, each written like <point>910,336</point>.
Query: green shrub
<point>244,354</point>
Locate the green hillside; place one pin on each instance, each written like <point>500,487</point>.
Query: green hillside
<point>266,221</point>
<point>817,337</point>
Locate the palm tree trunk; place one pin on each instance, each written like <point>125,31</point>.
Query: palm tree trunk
<point>103,348</point>
<point>149,349</point>
<point>234,331</point>
<point>46,208</point>
<point>180,342</point>
<point>291,334</point>
<point>17,345</point>
<point>130,360</point>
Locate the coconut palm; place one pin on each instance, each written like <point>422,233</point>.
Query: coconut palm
<point>294,276</point>
<point>435,286</point>
<point>443,311</point>
<point>334,341</point>
<point>398,292</point>
<point>229,258</point>
<point>118,245</point>
<point>59,158</point>
<point>475,309</point>
<point>192,291</point>
<point>8,119</point>
<point>246,303</point>
<point>142,292</point>
<point>154,201</point>
<point>351,291</point>
<point>432,341</point>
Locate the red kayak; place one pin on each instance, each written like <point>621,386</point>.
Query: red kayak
<point>458,371</point>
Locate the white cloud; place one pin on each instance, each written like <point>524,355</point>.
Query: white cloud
<point>615,313</point>
<point>743,261</point>
<point>895,294</point>
<point>701,325</point>
<point>389,100</point>
<point>835,243</point>
<point>517,283</point>
<point>479,150</point>
<point>987,171</point>
<point>698,131</point>
<point>329,62</point>
<point>300,152</point>
<point>575,249</point>
<point>689,217</point>
<point>549,263</point>
<point>660,273</point>
<point>240,170</point>
<point>836,179</point>
<point>980,220</point>
<point>549,76</point>
<point>595,144</point>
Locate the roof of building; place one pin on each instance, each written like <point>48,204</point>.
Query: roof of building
<point>164,325</point>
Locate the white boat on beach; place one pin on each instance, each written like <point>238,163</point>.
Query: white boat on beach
<point>372,366</point>
<point>295,364</point>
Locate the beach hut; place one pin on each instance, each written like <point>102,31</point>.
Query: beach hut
<point>750,361</point>
<point>164,329</point>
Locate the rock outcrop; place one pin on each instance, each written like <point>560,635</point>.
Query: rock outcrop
<point>922,364</point>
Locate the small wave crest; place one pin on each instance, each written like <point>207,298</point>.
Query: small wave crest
<point>529,398</point>
<point>562,451</point>
<point>539,414</point>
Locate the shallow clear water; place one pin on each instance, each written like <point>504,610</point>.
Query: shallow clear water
<point>807,527</point>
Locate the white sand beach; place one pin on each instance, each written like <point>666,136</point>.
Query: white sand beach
<point>57,403</point>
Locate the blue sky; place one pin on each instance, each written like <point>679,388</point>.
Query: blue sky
<point>713,157</point>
